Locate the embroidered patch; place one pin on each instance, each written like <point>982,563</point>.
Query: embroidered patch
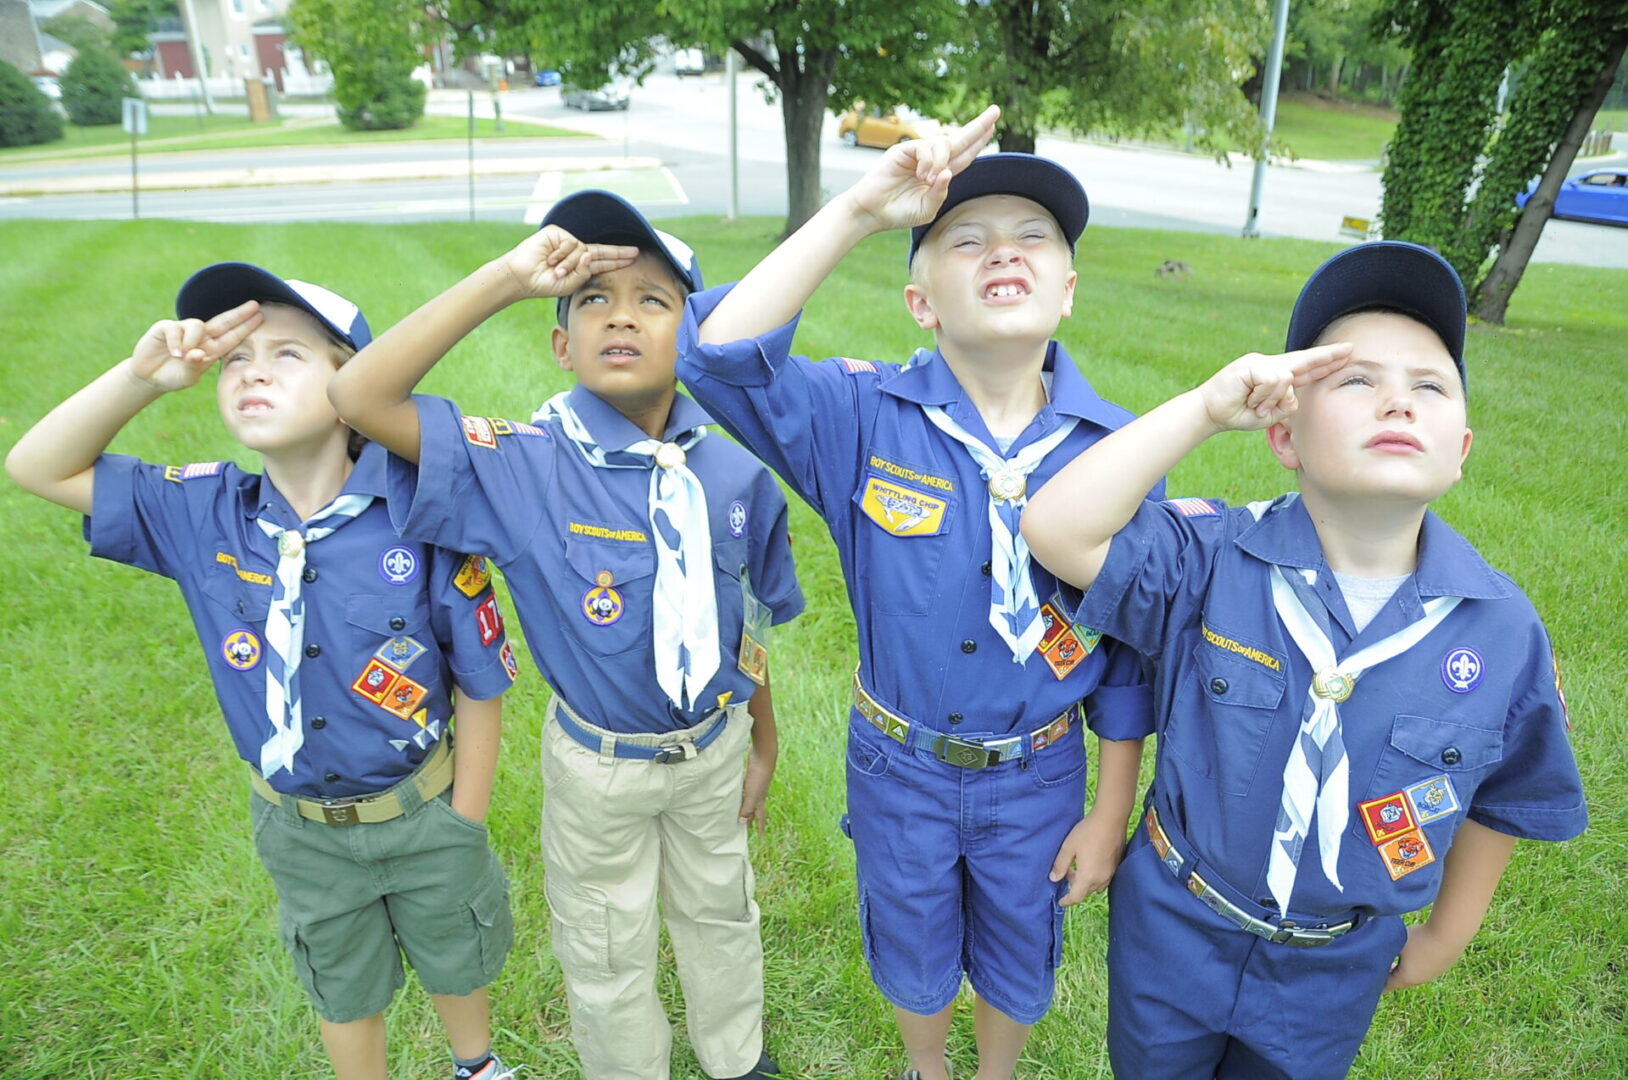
<point>602,605</point>
<point>1051,733</point>
<point>478,430</point>
<point>737,519</point>
<point>914,476</point>
<point>1386,817</point>
<point>1406,853</point>
<point>857,367</point>
<point>1248,652</point>
<point>178,473</point>
<point>403,697</point>
<point>1461,669</point>
<point>1435,798</point>
<point>250,576</point>
<point>901,510</point>
<point>375,680</point>
<point>400,652</point>
<point>599,532</point>
<point>1192,507</point>
<point>1062,646</point>
<point>489,620</point>
<point>530,429</point>
<point>510,664</point>
<point>398,565</point>
<point>473,575</point>
<point>241,649</point>
<point>500,426</point>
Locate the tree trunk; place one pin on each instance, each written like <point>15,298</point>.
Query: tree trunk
<point>1334,71</point>
<point>1491,300</point>
<point>1013,140</point>
<point>804,93</point>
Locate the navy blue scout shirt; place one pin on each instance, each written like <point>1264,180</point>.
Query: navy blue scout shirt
<point>909,513</point>
<point>524,495</point>
<point>1469,722</point>
<point>390,626</point>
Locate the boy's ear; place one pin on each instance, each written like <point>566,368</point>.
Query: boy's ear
<point>1281,440</point>
<point>921,307</point>
<point>1464,452</point>
<point>560,339</point>
<point>1068,292</point>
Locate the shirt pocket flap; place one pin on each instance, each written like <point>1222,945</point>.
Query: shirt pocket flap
<point>730,556</point>
<point>623,561</point>
<point>1234,680</point>
<point>387,616</point>
<point>1444,745</point>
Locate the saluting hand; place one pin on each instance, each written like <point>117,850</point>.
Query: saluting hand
<point>552,262</point>
<point>908,185</point>
<point>1256,391</point>
<point>174,353</point>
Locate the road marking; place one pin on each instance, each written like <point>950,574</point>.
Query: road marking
<point>680,195</point>
<point>543,197</point>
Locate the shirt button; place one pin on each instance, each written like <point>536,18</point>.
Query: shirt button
<point>984,570</point>
<point>1451,756</point>
<point>956,718</point>
<point>1218,686</point>
<point>310,574</point>
<point>313,651</point>
<point>332,778</point>
<point>397,622</point>
<point>969,646</point>
<point>319,722</point>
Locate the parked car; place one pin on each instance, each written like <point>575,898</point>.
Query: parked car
<point>613,95</point>
<point>1599,196</point>
<point>546,77</point>
<point>868,125</point>
<point>689,62</point>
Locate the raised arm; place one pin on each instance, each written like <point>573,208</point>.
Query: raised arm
<point>373,392</point>
<point>56,458</point>
<point>1070,520</point>
<point>904,189</point>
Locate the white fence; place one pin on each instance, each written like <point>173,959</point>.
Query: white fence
<point>181,89</point>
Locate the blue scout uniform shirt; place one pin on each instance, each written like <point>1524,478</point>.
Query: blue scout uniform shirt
<point>1469,722</point>
<point>382,615</point>
<point>851,438</point>
<point>523,495</point>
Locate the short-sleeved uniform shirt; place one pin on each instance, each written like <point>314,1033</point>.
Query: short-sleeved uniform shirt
<point>1468,724</point>
<point>391,626</point>
<point>575,545</point>
<point>908,510</point>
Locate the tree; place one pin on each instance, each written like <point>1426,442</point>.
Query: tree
<point>26,116</point>
<point>93,88</point>
<point>372,47</point>
<point>1125,67</point>
<point>78,31</point>
<point>1335,47</point>
<point>133,20</point>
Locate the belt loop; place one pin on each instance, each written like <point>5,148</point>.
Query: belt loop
<point>607,749</point>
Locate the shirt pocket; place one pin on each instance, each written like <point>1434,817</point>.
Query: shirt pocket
<point>729,562</point>
<point>375,619</point>
<point>901,540</point>
<point>1223,717</point>
<point>610,587</point>
<point>232,627</point>
<point>1421,749</point>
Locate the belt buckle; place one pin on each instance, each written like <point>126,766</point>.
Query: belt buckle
<point>340,812</point>
<point>961,753</point>
<point>675,752</point>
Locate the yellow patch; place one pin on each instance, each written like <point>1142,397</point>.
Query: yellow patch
<point>902,511</point>
<point>473,576</point>
<point>1264,659</point>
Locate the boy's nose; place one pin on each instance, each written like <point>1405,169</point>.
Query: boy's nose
<point>1398,403</point>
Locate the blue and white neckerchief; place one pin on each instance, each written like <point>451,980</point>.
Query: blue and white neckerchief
<point>1014,608</point>
<point>684,616</point>
<point>285,627</point>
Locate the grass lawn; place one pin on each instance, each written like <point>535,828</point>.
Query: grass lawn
<point>172,133</point>
<point>1313,127</point>
<point>140,936</point>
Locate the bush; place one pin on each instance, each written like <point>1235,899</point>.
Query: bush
<point>93,87</point>
<point>26,116</point>
<point>397,102</point>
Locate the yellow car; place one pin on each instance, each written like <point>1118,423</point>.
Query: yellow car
<point>868,125</point>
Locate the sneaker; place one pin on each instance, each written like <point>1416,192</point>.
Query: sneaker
<point>915,1074</point>
<point>494,1069</point>
<point>765,1069</point>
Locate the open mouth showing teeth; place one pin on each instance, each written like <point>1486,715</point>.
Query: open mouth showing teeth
<point>1001,292</point>
<point>619,354</point>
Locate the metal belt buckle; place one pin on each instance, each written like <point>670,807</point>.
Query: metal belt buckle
<point>668,755</point>
<point>340,812</point>
<point>960,752</point>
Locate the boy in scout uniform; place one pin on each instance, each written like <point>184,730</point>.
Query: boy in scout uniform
<point>335,649</point>
<point>1357,715</point>
<point>966,751</point>
<point>647,562</point>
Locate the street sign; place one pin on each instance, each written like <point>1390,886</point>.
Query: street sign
<point>135,116</point>
<point>1358,227</point>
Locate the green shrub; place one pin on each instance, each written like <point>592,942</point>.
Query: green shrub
<point>26,116</point>
<point>397,102</point>
<point>93,87</point>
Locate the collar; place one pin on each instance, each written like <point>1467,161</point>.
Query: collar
<point>611,431</point>
<point>930,381</point>
<point>1448,564</point>
<point>368,477</point>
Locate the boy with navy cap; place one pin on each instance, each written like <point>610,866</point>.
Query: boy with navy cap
<point>335,649</point>
<point>966,751</point>
<point>647,562</point>
<point>1357,715</point>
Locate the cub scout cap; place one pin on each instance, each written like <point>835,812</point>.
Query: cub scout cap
<point>224,286</point>
<point>1383,274</point>
<point>1035,178</point>
<point>599,217</point>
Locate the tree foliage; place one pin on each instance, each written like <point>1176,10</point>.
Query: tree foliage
<point>372,47</point>
<point>1335,47</point>
<point>93,88</point>
<point>133,20</point>
<point>78,31</point>
<point>26,116</point>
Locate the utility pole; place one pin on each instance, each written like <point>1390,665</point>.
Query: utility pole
<point>1269,112</point>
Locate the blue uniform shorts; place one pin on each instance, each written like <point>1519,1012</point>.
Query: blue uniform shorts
<point>1189,994</point>
<point>953,869</point>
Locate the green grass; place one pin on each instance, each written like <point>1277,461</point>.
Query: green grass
<point>168,134</point>
<point>1312,127</point>
<point>1611,120</point>
<point>140,937</point>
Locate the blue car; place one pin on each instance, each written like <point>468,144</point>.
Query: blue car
<point>1600,196</point>
<point>548,77</point>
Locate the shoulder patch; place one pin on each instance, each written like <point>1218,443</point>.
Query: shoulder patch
<point>178,473</point>
<point>529,429</point>
<point>857,367</point>
<point>478,431</point>
<point>1192,507</point>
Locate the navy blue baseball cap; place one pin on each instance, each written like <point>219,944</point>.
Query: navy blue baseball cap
<point>1383,274</point>
<point>224,286</point>
<point>1035,178</point>
<point>600,217</point>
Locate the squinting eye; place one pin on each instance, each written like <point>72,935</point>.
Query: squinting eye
<point>1437,387</point>
<point>1355,380</point>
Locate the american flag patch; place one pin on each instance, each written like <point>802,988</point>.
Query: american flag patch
<point>857,367</point>
<point>1192,507</point>
<point>529,429</point>
<point>195,470</point>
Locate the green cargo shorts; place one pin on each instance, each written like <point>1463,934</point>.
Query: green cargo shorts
<point>354,898</point>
